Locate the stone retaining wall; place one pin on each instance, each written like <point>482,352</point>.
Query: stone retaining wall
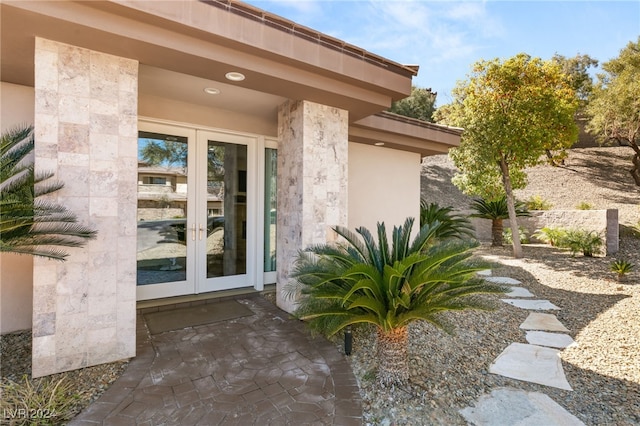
<point>604,222</point>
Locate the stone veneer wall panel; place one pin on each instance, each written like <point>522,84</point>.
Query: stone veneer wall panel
<point>86,133</point>
<point>312,181</point>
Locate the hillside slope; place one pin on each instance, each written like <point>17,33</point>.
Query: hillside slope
<point>598,176</point>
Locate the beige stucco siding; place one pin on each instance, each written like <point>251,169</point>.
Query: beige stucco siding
<point>384,185</point>
<point>16,272</point>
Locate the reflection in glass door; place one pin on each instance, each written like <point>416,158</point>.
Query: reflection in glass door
<point>163,244</point>
<point>226,209</point>
<point>206,202</point>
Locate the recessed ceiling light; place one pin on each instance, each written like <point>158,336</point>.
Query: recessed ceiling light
<point>212,91</point>
<point>234,76</point>
<point>379,144</point>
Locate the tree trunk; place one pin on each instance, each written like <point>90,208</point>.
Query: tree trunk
<point>515,232</point>
<point>635,171</point>
<point>393,358</point>
<point>497,240</point>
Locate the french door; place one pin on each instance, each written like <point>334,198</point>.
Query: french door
<point>202,198</point>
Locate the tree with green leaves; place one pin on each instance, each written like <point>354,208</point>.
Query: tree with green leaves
<point>29,223</point>
<point>614,108</point>
<point>420,104</point>
<point>577,69</point>
<point>388,285</point>
<point>512,112</point>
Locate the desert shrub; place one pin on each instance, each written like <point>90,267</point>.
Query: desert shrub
<point>536,202</point>
<point>37,402</point>
<point>508,237</point>
<point>583,205</point>
<point>549,235</point>
<point>581,240</point>
<point>621,267</point>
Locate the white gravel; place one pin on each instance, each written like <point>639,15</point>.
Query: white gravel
<point>449,373</point>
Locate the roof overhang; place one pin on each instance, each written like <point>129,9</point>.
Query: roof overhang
<point>207,40</point>
<point>407,134</point>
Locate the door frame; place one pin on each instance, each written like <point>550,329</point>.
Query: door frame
<point>197,282</point>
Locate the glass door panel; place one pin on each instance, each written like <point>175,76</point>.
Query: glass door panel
<point>226,209</point>
<point>270,206</point>
<point>163,244</point>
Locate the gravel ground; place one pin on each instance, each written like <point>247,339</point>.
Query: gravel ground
<point>449,373</point>
<point>88,383</point>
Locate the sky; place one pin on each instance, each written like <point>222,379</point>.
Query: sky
<point>446,37</point>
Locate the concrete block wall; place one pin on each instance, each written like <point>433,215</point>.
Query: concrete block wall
<point>604,222</point>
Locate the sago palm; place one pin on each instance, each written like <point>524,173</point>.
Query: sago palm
<point>452,225</point>
<point>28,224</point>
<point>387,285</point>
<point>496,211</point>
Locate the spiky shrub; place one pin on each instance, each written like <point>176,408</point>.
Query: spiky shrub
<point>582,241</point>
<point>496,211</point>
<point>452,225</point>
<point>45,400</point>
<point>389,285</point>
<point>30,224</point>
<point>550,235</point>
<point>536,202</point>
<point>621,267</point>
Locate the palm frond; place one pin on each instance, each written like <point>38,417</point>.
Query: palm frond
<point>28,224</point>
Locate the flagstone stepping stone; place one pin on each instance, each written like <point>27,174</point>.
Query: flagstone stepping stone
<point>531,363</point>
<point>539,305</point>
<point>484,273</point>
<point>503,280</point>
<point>509,406</point>
<point>553,340</point>
<point>545,322</point>
<point>519,292</point>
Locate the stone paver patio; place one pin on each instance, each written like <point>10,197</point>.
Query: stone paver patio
<point>257,370</point>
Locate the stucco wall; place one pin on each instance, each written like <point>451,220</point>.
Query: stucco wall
<point>384,185</point>
<point>16,272</point>
<point>86,129</point>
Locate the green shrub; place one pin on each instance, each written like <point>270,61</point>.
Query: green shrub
<point>580,240</point>
<point>451,225</point>
<point>536,202</point>
<point>508,237</point>
<point>583,205</point>
<point>37,402</point>
<point>621,267</point>
<point>549,235</point>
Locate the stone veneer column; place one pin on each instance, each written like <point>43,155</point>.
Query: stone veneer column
<point>84,310</point>
<point>312,181</point>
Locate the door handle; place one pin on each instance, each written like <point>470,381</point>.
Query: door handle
<point>193,232</point>
<point>201,229</point>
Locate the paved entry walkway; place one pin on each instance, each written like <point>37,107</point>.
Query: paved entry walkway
<point>263,369</point>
